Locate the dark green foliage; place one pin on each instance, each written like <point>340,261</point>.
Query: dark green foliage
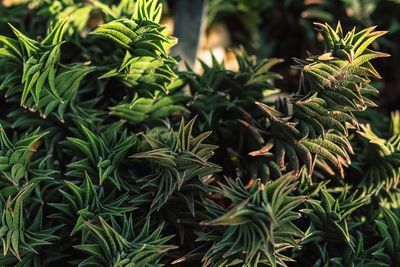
<point>175,159</point>
<point>116,245</point>
<point>142,109</point>
<point>47,84</point>
<point>100,153</point>
<point>22,232</point>
<point>389,230</point>
<point>85,201</point>
<point>336,84</point>
<point>257,228</point>
<point>224,99</point>
<point>328,216</point>
<point>111,156</point>
<point>381,166</point>
<point>146,64</point>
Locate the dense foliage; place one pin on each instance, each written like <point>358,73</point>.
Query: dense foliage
<point>111,156</point>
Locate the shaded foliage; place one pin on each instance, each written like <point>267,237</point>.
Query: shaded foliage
<point>111,156</point>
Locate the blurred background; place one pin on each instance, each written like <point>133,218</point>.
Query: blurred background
<point>265,28</point>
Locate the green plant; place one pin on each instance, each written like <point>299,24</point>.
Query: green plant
<point>258,227</point>
<point>111,156</point>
